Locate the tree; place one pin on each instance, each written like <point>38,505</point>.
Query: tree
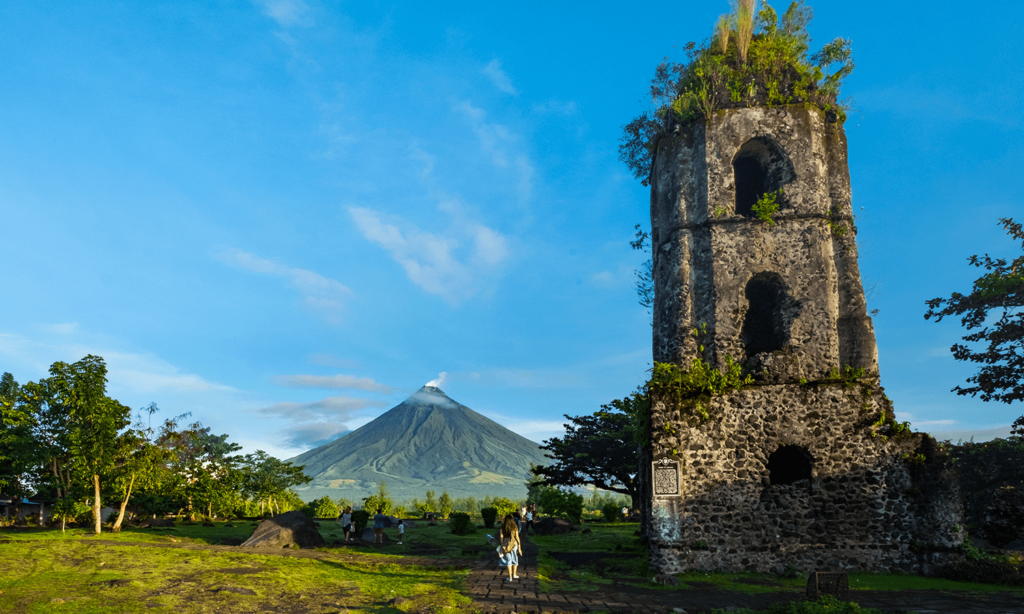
<point>644,283</point>
<point>268,480</point>
<point>381,500</point>
<point>445,504</point>
<point>19,453</point>
<point>95,418</point>
<point>598,449</point>
<point>562,503</point>
<point>999,293</point>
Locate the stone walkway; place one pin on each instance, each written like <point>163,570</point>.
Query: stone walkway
<point>489,589</point>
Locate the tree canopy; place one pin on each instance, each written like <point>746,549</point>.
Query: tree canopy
<point>599,449</point>
<point>994,310</point>
<point>749,60</point>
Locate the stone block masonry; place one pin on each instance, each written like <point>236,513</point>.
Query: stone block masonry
<point>801,468</point>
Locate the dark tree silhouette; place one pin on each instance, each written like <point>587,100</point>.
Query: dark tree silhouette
<point>999,293</point>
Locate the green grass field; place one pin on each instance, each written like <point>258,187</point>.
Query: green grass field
<point>191,569</point>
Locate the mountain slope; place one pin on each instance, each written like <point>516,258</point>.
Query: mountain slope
<point>427,442</point>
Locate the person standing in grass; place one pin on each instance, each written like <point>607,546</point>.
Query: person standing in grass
<point>511,548</point>
<point>346,523</point>
<point>378,527</point>
<point>401,531</point>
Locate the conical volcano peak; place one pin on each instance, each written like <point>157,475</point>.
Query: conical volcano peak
<point>429,441</point>
<point>431,394</point>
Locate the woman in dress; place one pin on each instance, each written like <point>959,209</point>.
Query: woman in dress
<point>511,548</point>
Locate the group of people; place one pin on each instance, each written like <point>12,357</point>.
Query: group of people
<point>379,519</point>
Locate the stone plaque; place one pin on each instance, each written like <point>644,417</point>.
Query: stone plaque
<point>665,473</point>
<point>834,583</point>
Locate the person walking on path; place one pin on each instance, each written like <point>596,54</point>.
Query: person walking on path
<point>346,523</point>
<point>378,527</point>
<point>511,547</point>
<point>401,531</point>
<point>529,520</point>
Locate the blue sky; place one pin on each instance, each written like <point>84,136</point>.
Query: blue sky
<point>285,216</point>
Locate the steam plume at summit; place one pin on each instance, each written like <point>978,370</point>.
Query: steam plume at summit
<point>436,383</point>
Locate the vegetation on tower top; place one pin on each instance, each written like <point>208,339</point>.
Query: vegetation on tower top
<point>754,58</point>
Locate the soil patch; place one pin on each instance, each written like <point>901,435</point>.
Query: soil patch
<point>759,582</point>
<point>575,559</point>
<point>240,571</point>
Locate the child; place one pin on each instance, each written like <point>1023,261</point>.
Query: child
<point>401,531</point>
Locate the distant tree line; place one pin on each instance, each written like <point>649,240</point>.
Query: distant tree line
<point>64,438</point>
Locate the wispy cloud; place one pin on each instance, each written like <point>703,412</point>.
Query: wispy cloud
<point>332,382</point>
<point>128,372</point>
<point>499,143</point>
<point>62,329</point>
<point>498,77</point>
<point>285,12</point>
<point>336,408</point>
<point>318,292</point>
<point>315,423</point>
<point>437,262</point>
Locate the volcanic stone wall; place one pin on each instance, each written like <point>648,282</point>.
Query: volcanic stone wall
<point>784,299</point>
<point>871,501</point>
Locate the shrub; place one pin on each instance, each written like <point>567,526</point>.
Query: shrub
<point>360,518</point>
<point>66,509</point>
<point>490,514</point>
<point>988,571</point>
<point>562,503</point>
<point>611,512</point>
<point>504,507</point>
<point>462,523</point>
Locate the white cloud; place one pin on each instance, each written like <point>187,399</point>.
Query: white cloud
<point>496,141</point>
<point>332,381</point>
<point>62,329</point>
<point>319,292</point>
<point>437,383</point>
<point>337,408</point>
<point>315,423</point>
<point>436,262</point>
<point>498,77</point>
<point>285,12</point>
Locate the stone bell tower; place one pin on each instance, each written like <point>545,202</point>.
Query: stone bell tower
<point>803,467</point>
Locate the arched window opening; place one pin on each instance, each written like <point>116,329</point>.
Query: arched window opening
<point>760,166</point>
<point>788,465</point>
<point>764,328</point>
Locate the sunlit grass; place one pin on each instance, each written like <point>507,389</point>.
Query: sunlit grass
<point>45,571</point>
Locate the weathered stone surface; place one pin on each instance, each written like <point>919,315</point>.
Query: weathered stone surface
<point>284,530</point>
<point>785,301</point>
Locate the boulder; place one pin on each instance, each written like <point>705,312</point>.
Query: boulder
<point>553,526</point>
<point>284,530</point>
<point>367,536</point>
<point>390,522</point>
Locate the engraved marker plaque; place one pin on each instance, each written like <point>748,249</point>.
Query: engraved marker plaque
<point>665,474</point>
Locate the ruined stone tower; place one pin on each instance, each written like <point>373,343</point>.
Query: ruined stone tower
<point>803,467</point>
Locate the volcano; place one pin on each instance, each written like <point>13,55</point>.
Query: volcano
<point>427,442</point>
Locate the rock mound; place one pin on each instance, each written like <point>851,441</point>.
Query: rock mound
<point>284,530</point>
<point>367,536</point>
<point>553,526</point>
<point>158,522</point>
